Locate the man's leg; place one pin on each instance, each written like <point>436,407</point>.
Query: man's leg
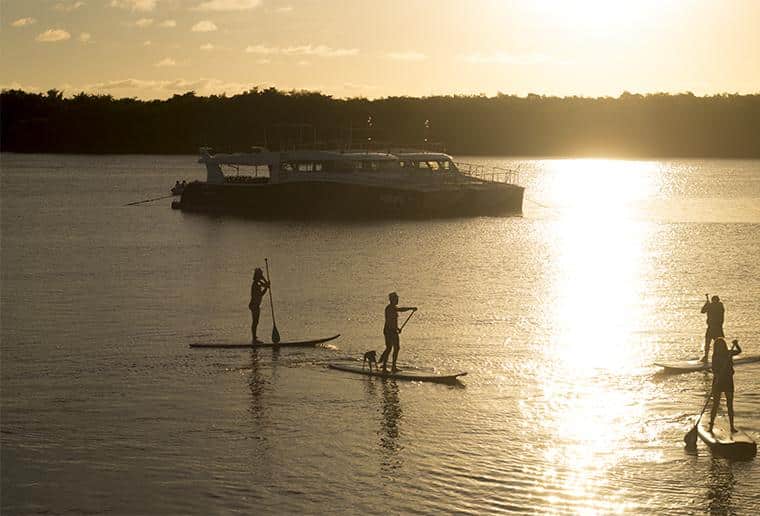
<point>384,356</point>
<point>255,312</point>
<point>708,338</point>
<point>396,347</point>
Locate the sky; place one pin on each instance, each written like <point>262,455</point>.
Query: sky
<point>350,48</point>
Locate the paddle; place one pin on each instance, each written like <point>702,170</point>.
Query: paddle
<point>407,320</point>
<point>691,436</point>
<point>275,333</point>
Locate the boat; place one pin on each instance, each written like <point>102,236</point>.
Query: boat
<point>292,344</point>
<point>350,184</point>
<point>690,366</point>
<point>410,375</point>
<point>722,442</point>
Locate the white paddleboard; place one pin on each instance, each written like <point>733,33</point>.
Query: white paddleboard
<point>723,442</point>
<point>688,366</point>
<point>411,375</point>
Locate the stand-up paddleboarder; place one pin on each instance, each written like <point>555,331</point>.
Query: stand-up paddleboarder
<point>391,330</point>
<point>715,315</point>
<point>723,379</point>
<point>259,287</point>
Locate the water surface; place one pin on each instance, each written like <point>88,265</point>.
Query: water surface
<point>557,316</point>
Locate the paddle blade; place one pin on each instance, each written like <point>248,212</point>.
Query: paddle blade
<point>275,335</point>
<point>691,438</point>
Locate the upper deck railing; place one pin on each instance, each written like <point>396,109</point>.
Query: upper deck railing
<point>489,173</point>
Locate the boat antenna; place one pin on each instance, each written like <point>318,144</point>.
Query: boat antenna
<point>369,136</point>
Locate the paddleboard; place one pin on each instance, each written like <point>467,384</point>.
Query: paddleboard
<point>722,442</point>
<point>688,366</point>
<point>293,344</point>
<point>411,375</point>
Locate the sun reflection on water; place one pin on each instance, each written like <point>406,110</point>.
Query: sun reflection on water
<point>591,314</point>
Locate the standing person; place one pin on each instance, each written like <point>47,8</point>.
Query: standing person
<point>715,314</point>
<point>723,379</point>
<point>391,330</point>
<point>259,287</point>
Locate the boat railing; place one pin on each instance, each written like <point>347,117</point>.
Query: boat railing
<point>489,173</point>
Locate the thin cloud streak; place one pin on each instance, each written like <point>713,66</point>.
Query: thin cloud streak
<point>166,62</point>
<point>204,26</point>
<point>135,5</point>
<point>53,36</point>
<point>302,50</point>
<point>23,22</point>
<point>67,7</point>
<point>227,5</point>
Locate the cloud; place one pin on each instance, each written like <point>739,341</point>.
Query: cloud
<point>406,56</point>
<point>503,58</point>
<point>168,24</point>
<point>207,46</point>
<point>67,7</point>
<point>135,5</point>
<point>227,5</point>
<point>144,22</point>
<point>85,37</point>
<point>53,35</point>
<point>302,50</point>
<point>147,43</point>
<point>202,85</point>
<point>18,86</point>
<point>23,22</point>
<point>284,9</point>
<point>204,26</point>
<point>166,62</point>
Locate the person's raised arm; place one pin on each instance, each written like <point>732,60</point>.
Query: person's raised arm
<point>406,308</point>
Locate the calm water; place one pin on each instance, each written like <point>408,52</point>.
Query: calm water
<point>557,316</point>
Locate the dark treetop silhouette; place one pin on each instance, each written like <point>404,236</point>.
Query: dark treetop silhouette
<point>655,125</point>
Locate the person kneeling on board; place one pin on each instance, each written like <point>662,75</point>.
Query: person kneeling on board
<point>391,330</point>
<point>715,315</point>
<point>259,287</point>
<point>723,379</point>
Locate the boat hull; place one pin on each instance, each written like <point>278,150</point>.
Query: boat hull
<point>324,199</point>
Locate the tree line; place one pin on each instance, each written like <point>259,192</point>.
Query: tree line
<point>631,125</point>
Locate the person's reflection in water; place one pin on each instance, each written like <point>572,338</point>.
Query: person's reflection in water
<point>257,384</point>
<point>721,487</point>
<point>389,424</point>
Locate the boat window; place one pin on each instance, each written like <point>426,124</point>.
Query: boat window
<point>421,164</point>
<point>446,165</point>
<point>402,163</point>
<point>286,166</point>
<point>433,165</point>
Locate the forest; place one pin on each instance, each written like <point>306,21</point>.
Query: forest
<point>629,126</point>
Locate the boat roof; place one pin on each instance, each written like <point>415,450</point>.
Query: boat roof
<point>298,155</point>
<point>424,156</point>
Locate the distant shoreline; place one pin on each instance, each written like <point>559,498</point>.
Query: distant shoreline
<point>631,126</point>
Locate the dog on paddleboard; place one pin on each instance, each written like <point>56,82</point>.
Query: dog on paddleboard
<point>370,357</point>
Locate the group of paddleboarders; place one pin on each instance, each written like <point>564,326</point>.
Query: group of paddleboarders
<point>391,330</point>
<point>722,359</point>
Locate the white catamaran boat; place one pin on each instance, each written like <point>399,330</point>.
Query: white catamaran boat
<point>343,184</point>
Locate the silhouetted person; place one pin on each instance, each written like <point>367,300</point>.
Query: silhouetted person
<point>715,313</point>
<point>723,378</point>
<point>259,287</point>
<point>391,330</point>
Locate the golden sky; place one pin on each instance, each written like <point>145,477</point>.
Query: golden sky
<point>347,48</point>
